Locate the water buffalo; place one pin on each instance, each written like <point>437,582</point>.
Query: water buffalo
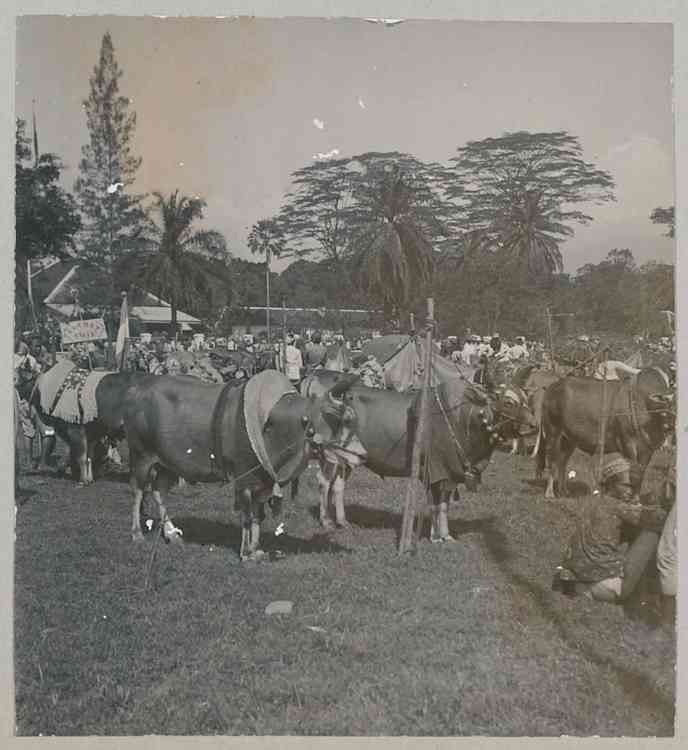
<point>639,418</point>
<point>83,438</point>
<point>464,427</point>
<point>257,436</point>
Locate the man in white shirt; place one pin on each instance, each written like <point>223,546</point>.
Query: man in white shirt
<point>293,361</point>
<point>469,352</point>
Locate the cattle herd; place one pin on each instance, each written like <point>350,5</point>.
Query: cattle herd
<point>258,434</point>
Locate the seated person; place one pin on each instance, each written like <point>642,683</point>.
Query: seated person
<point>599,561</point>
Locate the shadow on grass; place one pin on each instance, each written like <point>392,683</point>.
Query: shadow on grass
<point>375,518</point>
<point>205,532</point>
<point>574,487</point>
<point>636,685</point>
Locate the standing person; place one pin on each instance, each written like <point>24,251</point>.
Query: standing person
<point>315,353</point>
<point>293,361</point>
<point>667,552</point>
<point>469,353</point>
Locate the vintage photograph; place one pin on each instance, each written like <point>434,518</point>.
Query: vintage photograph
<point>344,378</point>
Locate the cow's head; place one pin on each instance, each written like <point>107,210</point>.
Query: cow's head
<point>335,419</point>
<point>515,418</point>
<point>289,434</point>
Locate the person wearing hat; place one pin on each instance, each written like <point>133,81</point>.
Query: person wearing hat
<point>599,561</point>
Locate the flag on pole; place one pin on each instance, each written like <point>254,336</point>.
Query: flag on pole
<point>122,333</point>
<point>35,138</point>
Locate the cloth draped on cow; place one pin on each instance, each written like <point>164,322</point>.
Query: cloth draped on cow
<point>261,393</point>
<point>448,455</point>
<point>69,393</point>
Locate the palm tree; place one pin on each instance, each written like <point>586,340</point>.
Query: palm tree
<point>167,264</point>
<point>266,238</point>
<point>529,233</point>
<point>392,257</point>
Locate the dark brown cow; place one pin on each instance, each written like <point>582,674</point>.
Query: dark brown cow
<point>181,426</point>
<point>534,382</point>
<point>640,417</point>
<point>84,439</point>
<point>464,426</point>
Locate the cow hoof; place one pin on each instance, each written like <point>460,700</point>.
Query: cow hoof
<point>448,538</point>
<point>137,536</point>
<point>255,556</point>
<point>327,524</point>
<point>343,524</point>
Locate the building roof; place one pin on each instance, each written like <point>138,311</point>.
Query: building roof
<point>159,314</point>
<point>54,282</point>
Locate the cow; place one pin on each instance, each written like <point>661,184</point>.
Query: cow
<point>464,425</point>
<point>257,436</point>
<point>84,438</point>
<point>533,381</point>
<point>639,417</point>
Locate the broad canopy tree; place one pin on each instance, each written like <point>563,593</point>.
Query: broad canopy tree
<point>525,191</point>
<point>376,217</point>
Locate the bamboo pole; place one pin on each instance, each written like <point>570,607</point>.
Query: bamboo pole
<point>551,338</point>
<point>284,338</point>
<point>603,423</point>
<point>419,441</point>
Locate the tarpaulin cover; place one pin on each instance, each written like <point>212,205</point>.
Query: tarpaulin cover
<point>403,358</point>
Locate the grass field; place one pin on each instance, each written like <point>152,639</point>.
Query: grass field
<point>459,639</point>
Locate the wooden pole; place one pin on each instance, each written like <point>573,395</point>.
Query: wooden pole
<point>551,338</point>
<point>603,423</point>
<point>267,291</point>
<point>284,338</point>
<point>29,290</point>
<point>419,441</point>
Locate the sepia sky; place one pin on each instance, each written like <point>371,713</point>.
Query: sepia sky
<point>228,109</point>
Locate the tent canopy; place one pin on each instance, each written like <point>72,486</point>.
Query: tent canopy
<point>402,358</point>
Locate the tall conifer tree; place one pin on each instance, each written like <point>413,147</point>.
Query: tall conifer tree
<point>112,216</point>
